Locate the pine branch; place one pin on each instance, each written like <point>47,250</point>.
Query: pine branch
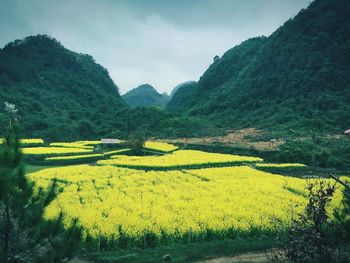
<point>347,187</point>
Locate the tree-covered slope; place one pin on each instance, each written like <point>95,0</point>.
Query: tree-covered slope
<point>177,87</point>
<point>59,94</point>
<point>297,78</point>
<point>145,96</point>
<point>182,98</point>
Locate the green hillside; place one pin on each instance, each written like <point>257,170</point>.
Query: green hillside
<point>58,93</point>
<point>145,96</point>
<point>183,98</point>
<point>177,87</point>
<point>63,95</point>
<point>296,79</point>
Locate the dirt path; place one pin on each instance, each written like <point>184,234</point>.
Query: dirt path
<point>78,260</point>
<point>259,257</point>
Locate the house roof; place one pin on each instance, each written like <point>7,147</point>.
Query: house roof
<point>347,131</point>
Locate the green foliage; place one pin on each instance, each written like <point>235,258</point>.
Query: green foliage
<point>145,95</point>
<point>60,94</point>
<point>297,78</point>
<point>308,240</point>
<point>63,95</point>
<point>26,237</point>
<point>317,152</point>
<point>343,215</point>
<point>154,122</point>
<point>136,143</point>
<point>184,253</point>
<point>183,98</point>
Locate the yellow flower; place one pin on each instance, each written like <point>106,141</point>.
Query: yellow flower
<point>178,158</point>
<point>111,201</point>
<point>160,146</point>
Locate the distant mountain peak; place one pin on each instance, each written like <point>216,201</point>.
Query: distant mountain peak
<point>54,87</point>
<point>145,95</point>
<point>37,40</point>
<point>177,87</point>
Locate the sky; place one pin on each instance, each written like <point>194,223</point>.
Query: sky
<point>160,42</point>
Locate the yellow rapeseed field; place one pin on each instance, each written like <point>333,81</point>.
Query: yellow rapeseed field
<point>178,158</point>
<point>26,141</point>
<point>113,202</point>
<point>160,146</point>
<point>78,144</point>
<point>54,150</point>
<point>31,141</point>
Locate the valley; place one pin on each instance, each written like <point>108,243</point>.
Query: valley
<point>175,131</point>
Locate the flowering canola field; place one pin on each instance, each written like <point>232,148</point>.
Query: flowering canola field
<point>78,144</point>
<point>26,142</point>
<point>54,150</point>
<point>177,159</point>
<point>160,146</point>
<point>137,206</point>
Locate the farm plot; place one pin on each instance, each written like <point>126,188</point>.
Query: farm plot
<point>178,159</point>
<point>27,142</point>
<point>127,207</point>
<point>160,146</point>
<point>42,151</point>
<point>78,144</point>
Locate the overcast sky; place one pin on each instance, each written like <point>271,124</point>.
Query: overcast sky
<point>160,42</point>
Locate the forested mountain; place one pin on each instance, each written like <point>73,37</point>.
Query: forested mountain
<point>177,87</point>
<point>298,78</point>
<point>145,95</point>
<point>58,93</point>
<point>63,95</point>
<point>183,98</point>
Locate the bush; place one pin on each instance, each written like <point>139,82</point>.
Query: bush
<point>136,142</point>
<point>309,238</point>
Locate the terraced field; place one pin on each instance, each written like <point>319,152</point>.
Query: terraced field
<point>179,159</point>
<point>189,200</point>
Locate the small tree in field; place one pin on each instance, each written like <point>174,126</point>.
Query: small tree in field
<point>343,214</point>
<point>308,240</point>
<point>25,235</point>
<point>136,142</point>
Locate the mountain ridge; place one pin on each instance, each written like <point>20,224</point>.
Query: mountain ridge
<point>58,93</point>
<point>297,78</point>
<point>145,95</point>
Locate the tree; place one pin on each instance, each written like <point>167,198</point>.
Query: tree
<point>136,142</point>
<point>343,214</point>
<point>25,235</point>
<point>308,239</point>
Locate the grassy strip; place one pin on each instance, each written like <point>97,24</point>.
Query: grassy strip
<point>116,152</point>
<point>74,158</point>
<point>182,253</point>
<point>281,165</point>
<point>35,168</point>
<point>178,167</point>
<point>293,169</point>
<point>70,145</point>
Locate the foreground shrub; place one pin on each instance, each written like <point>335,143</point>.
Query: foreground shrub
<point>310,237</point>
